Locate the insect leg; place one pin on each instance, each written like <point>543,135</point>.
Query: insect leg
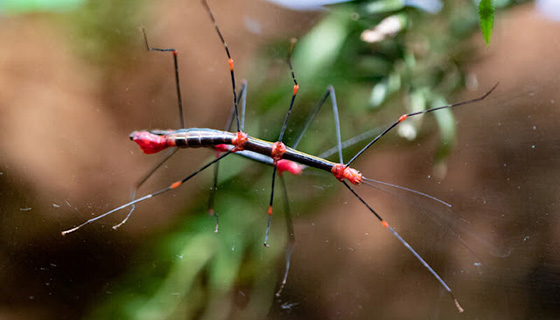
<point>170,153</point>
<point>290,227</point>
<point>177,85</point>
<point>291,235</point>
<point>140,182</point>
<point>230,61</point>
<point>405,116</point>
<point>279,143</point>
<point>211,200</point>
<point>407,246</point>
<point>338,148</point>
<point>174,185</point>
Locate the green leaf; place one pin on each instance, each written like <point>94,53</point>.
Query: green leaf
<point>486,14</point>
<point>381,6</point>
<point>22,6</point>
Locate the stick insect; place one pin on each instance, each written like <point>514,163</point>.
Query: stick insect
<point>281,157</point>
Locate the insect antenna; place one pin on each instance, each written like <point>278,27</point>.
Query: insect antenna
<point>369,182</point>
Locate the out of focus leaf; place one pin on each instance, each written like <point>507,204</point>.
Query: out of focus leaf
<point>381,6</point>
<point>321,46</point>
<point>486,14</point>
<point>22,6</point>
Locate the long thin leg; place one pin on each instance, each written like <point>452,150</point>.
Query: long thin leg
<point>243,97</point>
<point>213,196</point>
<point>418,257</point>
<point>151,195</point>
<point>350,142</point>
<point>211,200</point>
<point>170,153</point>
<point>310,119</point>
<point>338,148</point>
<point>280,138</point>
<point>243,93</point>
<point>336,122</point>
<point>177,85</point>
<point>142,180</point>
<point>269,221</point>
<point>405,116</point>
<point>230,61</point>
<point>296,88</point>
<point>290,226</point>
<point>291,236</point>
<point>235,106</point>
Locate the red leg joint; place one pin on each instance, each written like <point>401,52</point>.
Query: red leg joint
<point>239,141</point>
<point>342,172</point>
<point>278,150</point>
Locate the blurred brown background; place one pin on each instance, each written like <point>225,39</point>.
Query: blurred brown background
<point>66,111</point>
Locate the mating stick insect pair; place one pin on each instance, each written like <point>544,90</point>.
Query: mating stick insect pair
<point>277,154</point>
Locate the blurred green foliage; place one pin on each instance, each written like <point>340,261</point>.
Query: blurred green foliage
<point>21,6</point>
<point>105,30</point>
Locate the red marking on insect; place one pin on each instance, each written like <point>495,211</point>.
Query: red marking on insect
<point>404,116</point>
<point>342,172</point>
<point>270,210</point>
<point>175,184</point>
<point>278,150</point>
<point>221,147</point>
<point>150,143</point>
<point>296,88</point>
<point>230,62</point>
<point>385,224</point>
<point>286,165</point>
<point>239,141</point>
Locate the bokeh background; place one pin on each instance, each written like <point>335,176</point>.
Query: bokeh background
<point>75,80</point>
